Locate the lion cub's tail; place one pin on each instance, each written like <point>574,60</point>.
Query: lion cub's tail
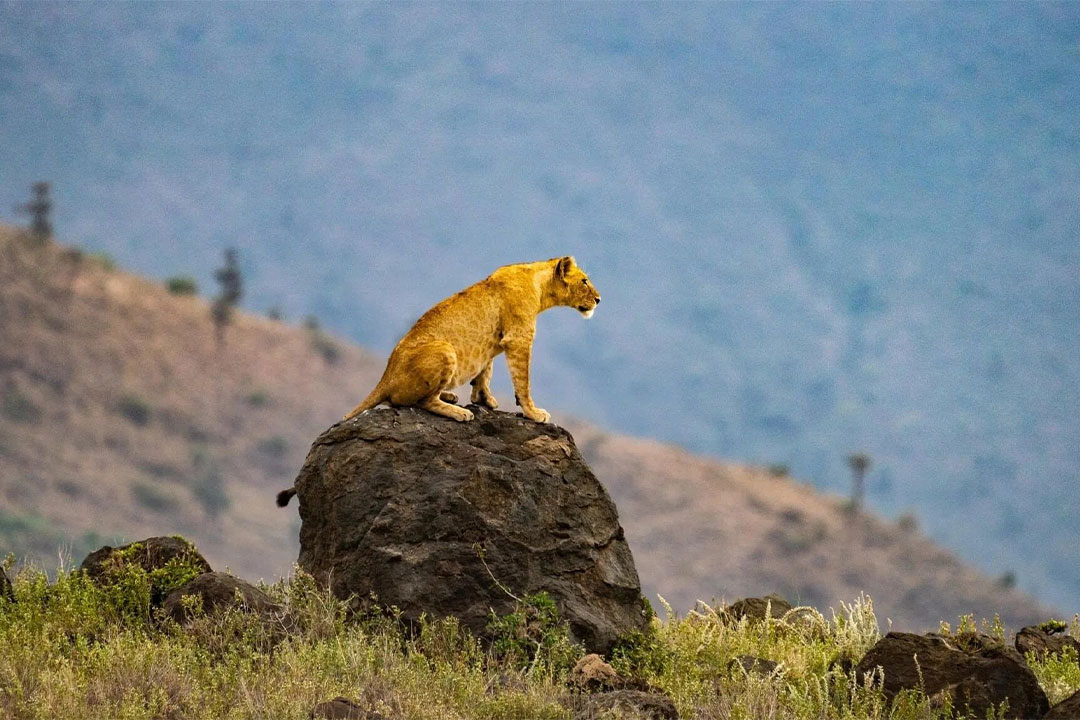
<point>377,396</point>
<point>285,496</point>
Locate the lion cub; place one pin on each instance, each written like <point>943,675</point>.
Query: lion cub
<point>456,340</point>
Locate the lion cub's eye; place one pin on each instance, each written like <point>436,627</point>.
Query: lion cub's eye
<point>584,281</point>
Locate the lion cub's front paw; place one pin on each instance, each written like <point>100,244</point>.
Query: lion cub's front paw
<point>462,414</point>
<point>539,415</point>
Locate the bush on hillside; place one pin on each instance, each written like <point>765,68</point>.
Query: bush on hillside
<point>182,285</point>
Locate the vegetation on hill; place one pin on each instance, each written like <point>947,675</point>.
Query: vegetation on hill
<point>72,648</point>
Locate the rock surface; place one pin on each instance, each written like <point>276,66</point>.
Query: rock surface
<point>151,554</point>
<point>1035,639</point>
<point>1067,709</point>
<point>758,608</point>
<point>976,670</point>
<point>399,502</point>
<point>218,591</point>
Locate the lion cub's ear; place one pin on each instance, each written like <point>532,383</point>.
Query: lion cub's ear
<point>562,268</point>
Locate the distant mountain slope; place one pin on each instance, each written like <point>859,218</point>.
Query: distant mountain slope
<point>120,417</point>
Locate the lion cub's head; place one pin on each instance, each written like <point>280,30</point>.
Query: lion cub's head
<point>572,287</point>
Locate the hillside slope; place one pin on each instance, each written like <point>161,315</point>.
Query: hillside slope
<point>121,417</point>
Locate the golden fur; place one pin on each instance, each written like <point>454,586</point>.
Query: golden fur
<point>457,340</point>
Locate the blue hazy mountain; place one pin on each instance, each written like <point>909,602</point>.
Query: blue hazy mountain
<point>817,229</point>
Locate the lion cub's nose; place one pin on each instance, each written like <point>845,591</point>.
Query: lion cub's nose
<point>597,299</point>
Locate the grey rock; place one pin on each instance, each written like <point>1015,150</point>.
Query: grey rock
<point>218,591</point>
<point>758,608</point>
<point>978,671</point>
<point>398,502</point>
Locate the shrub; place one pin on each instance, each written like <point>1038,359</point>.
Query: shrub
<point>154,498</point>
<point>534,636</point>
<point>134,409</point>
<point>258,398</point>
<point>208,484</point>
<point>21,409</point>
<point>275,446</point>
<point>182,285</point>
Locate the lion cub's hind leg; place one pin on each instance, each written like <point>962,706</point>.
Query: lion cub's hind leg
<point>448,397</point>
<point>481,388</point>
<point>428,370</point>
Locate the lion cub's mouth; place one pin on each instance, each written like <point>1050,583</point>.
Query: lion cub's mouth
<point>586,311</point>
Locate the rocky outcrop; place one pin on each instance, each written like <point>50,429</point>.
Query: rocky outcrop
<point>1046,639</point>
<point>151,554</point>
<point>217,591</point>
<point>977,671</point>
<point>446,518</point>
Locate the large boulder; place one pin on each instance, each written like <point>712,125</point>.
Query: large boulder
<point>451,519</point>
<point>978,672</point>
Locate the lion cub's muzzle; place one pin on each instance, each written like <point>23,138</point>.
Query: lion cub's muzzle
<point>586,309</point>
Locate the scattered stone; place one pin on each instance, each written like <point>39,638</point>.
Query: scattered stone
<point>623,704</point>
<point>151,554</point>
<point>592,674</point>
<point>980,675</point>
<point>341,708</point>
<point>1067,709</point>
<point>751,664</point>
<point>444,518</point>
<point>218,591</point>
<point>1041,642</point>
<point>758,608</point>
<point>6,589</point>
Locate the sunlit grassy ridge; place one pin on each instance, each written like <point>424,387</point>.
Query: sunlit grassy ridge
<point>69,648</point>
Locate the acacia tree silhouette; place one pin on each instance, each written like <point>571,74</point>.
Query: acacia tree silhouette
<point>859,463</point>
<point>232,289</point>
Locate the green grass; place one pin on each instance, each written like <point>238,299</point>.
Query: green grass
<point>71,649</point>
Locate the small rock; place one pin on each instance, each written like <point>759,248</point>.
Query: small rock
<point>753,664</point>
<point>1035,640</point>
<point>341,708</point>
<point>758,608</point>
<point>218,591</point>
<point>1067,709</point>
<point>6,589</point>
<point>592,674</point>
<point>623,704</point>
<point>150,554</point>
